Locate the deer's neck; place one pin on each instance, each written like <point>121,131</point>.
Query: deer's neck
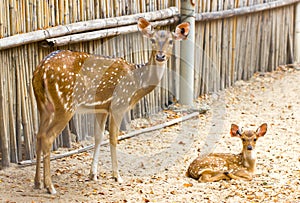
<point>147,77</point>
<point>151,73</point>
<point>249,159</point>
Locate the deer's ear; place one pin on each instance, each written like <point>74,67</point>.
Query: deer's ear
<point>234,131</point>
<point>261,131</point>
<point>182,31</point>
<point>145,27</point>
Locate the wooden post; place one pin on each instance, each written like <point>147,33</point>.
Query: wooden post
<point>297,33</point>
<point>186,94</point>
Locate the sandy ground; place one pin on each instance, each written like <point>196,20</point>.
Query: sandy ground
<point>153,165</point>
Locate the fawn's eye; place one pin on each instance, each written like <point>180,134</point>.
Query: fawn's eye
<point>152,40</point>
<point>243,140</point>
<point>255,139</point>
<point>170,41</point>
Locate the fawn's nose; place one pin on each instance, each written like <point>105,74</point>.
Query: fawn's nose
<point>249,147</point>
<point>160,57</point>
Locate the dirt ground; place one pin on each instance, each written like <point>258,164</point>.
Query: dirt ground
<point>153,165</point>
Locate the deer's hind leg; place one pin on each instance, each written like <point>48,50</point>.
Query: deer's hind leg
<point>45,118</point>
<point>37,178</point>
<point>56,125</point>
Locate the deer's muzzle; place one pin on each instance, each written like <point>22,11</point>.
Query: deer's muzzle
<point>160,57</point>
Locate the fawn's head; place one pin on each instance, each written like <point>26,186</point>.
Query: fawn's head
<point>248,137</point>
<point>162,40</point>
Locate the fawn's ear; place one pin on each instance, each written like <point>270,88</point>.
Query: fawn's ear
<point>234,131</point>
<point>182,31</point>
<point>145,27</point>
<point>261,131</point>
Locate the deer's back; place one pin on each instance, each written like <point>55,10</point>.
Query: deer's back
<point>215,162</point>
<point>70,79</point>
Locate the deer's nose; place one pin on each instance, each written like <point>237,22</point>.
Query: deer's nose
<point>160,57</point>
<point>249,147</point>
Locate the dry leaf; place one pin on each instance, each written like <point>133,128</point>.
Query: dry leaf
<point>187,184</point>
<point>146,200</point>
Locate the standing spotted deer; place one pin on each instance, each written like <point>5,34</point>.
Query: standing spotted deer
<point>218,166</point>
<point>67,81</point>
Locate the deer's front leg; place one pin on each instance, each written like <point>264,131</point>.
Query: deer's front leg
<point>113,139</point>
<point>241,175</point>
<point>99,133</point>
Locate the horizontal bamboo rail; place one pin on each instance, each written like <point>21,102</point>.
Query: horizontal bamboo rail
<point>88,36</point>
<point>62,30</point>
<point>243,10</point>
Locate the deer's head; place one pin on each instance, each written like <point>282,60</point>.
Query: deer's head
<point>162,40</point>
<point>248,137</point>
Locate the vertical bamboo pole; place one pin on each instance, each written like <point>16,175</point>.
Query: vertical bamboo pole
<point>66,137</point>
<point>34,112</point>
<point>231,47</point>
<point>3,127</point>
<point>12,13</point>
<point>187,55</point>
<point>247,48</point>
<point>6,29</point>
<point>219,57</point>
<point>255,24</point>
<point>11,118</point>
<point>297,33</point>
<point>291,15</point>
<point>240,43</point>
<point>225,50</point>
<point>34,15</point>
<point>18,108</point>
<point>233,59</point>
<point>24,108</point>
<point>39,14</point>
<point>199,59</point>
<point>2,17</point>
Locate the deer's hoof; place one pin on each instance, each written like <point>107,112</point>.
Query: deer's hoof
<point>37,185</point>
<point>93,177</point>
<point>118,179</point>
<point>51,190</point>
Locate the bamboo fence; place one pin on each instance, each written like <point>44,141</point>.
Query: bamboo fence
<point>234,39</point>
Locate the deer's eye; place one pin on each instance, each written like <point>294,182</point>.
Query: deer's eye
<point>255,139</point>
<point>243,140</point>
<point>170,41</point>
<point>152,40</point>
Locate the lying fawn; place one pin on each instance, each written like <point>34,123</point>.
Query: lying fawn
<point>65,81</point>
<point>221,166</point>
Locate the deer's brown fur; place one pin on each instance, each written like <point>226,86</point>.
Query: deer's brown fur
<point>66,81</point>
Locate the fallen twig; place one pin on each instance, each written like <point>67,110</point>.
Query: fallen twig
<point>123,137</point>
